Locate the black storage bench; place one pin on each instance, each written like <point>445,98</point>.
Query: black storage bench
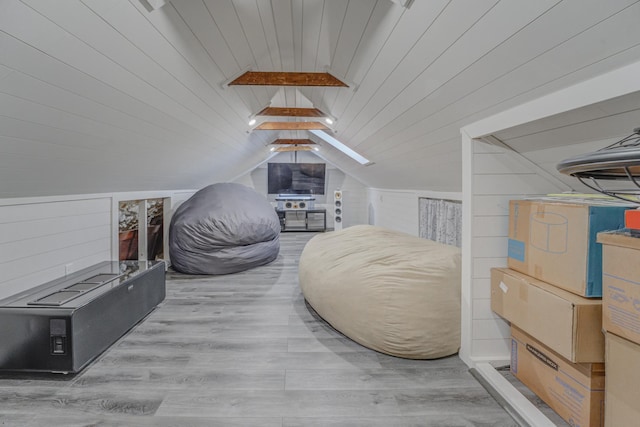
<point>64,324</point>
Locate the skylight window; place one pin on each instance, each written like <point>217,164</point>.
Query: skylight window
<point>340,146</point>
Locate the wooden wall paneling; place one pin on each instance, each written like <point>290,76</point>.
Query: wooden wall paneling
<point>330,27</point>
<point>191,28</point>
<point>232,31</point>
<point>45,68</point>
<point>490,246</point>
<point>494,348</point>
<point>482,267</point>
<point>45,226</point>
<point>495,175</point>
<point>395,49</point>
<point>607,127</point>
<point>482,309</point>
<point>494,225</point>
<point>113,121</point>
<point>397,210</point>
<point>79,55</point>
<point>41,238</point>
<point>105,142</point>
<point>453,53</point>
<point>482,287</point>
<point>297,12</point>
<point>236,40</point>
<point>312,16</point>
<point>4,71</point>
<point>509,55</point>
<point>448,30</point>
<point>283,16</point>
<point>23,249</point>
<point>199,20</point>
<point>422,148</point>
<point>621,104</point>
<point>29,272</point>
<point>267,19</point>
<point>535,74</point>
<point>253,29</point>
<point>13,211</point>
<point>510,184</point>
<point>489,329</point>
<point>165,68</point>
<point>357,16</point>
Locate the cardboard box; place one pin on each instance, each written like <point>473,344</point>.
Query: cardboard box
<point>574,390</point>
<point>621,284</point>
<point>554,240</point>
<point>622,394</point>
<point>569,324</point>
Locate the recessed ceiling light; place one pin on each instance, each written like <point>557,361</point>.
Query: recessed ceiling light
<point>316,149</point>
<point>272,149</point>
<point>328,120</point>
<point>252,122</point>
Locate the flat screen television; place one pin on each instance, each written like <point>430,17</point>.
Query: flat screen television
<point>296,178</point>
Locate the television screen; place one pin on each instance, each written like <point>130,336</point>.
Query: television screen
<point>295,178</point>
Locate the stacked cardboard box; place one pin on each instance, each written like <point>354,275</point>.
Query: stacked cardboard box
<point>574,390</point>
<point>550,294</point>
<point>621,321</point>
<point>554,240</point>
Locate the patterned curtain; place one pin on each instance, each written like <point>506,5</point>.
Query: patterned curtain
<point>441,221</point>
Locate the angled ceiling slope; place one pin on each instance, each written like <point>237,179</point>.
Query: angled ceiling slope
<point>102,96</point>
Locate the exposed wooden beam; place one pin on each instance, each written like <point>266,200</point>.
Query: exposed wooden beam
<point>300,141</point>
<point>291,112</point>
<point>284,78</point>
<point>291,126</point>
<point>293,148</point>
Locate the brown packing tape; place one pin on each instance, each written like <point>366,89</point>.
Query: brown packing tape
<point>524,293</point>
<point>537,271</point>
<point>540,208</point>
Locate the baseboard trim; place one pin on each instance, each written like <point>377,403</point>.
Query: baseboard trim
<point>516,405</point>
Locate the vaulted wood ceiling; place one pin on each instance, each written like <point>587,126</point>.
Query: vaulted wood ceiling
<point>115,96</point>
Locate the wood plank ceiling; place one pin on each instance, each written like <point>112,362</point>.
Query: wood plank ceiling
<point>115,96</point>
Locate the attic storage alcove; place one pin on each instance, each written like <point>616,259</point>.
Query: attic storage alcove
<point>511,155</point>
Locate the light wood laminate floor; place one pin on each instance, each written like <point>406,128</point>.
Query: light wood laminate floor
<point>246,350</point>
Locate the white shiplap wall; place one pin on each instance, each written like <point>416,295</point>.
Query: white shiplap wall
<point>495,175</point>
<point>45,238</point>
<point>399,209</point>
<point>38,238</point>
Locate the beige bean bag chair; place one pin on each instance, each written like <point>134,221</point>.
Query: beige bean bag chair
<point>386,290</point>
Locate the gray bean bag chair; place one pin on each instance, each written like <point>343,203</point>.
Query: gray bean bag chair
<point>223,228</point>
<point>389,291</point>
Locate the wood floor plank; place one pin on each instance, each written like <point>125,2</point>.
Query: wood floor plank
<point>282,403</point>
<point>463,420</point>
<point>246,349</point>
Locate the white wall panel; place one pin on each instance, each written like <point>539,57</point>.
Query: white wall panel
<point>44,238</point>
<point>40,239</point>
<point>492,350</point>
<point>482,287</point>
<point>495,175</point>
<point>482,309</point>
<point>399,209</point>
<point>490,225</point>
<point>490,329</point>
<point>394,209</point>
